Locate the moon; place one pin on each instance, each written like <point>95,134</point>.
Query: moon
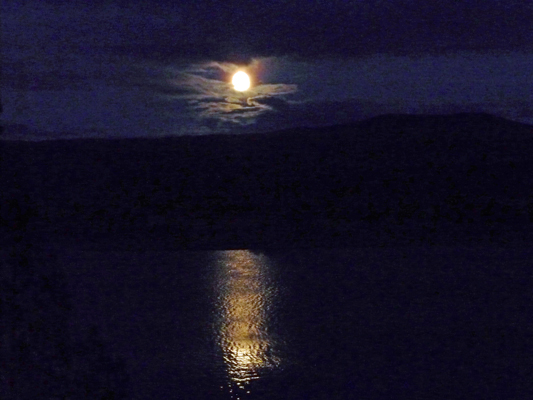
<point>241,81</point>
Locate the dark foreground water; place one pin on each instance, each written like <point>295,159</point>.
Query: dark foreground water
<point>400,323</point>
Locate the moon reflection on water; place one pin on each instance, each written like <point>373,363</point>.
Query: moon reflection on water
<point>246,293</point>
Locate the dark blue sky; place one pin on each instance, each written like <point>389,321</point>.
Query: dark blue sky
<point>135,68</point>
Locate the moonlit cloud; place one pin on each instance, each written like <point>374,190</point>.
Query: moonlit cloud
<point>210,95</point>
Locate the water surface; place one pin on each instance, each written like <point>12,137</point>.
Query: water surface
<point>313,324</point>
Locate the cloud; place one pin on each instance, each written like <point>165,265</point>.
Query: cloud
<point>210,96</point>
<point>239,30</point>
<point>277,104</point>
<point>165,66</point>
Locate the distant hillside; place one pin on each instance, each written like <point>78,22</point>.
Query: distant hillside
<point>389,180</point>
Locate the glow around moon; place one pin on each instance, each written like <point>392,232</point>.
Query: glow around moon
<point>241,81</point>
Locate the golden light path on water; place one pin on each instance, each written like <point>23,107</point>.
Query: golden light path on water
<point>246,292</point>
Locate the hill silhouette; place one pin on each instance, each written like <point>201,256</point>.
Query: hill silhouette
<point>388,180</point>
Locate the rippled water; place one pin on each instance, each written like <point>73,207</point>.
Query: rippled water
<point>313,324</point>
<point>245,300</point>
<point>245,295</point>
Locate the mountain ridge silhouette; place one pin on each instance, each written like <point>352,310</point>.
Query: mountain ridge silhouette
<point>389,180</point>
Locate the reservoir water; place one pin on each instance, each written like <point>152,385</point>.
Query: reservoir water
<point>381,323</point>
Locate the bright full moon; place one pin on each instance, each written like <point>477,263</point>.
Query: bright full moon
<point>241,81</point>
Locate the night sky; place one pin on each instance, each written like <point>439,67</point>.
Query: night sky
<point>159,68</point>
<point>138,68</point>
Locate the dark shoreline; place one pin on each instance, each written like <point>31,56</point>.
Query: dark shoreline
<point>388,181</point>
